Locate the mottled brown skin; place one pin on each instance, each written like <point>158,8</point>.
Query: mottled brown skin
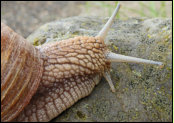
<point>62,73</point>
<point>71,70</point>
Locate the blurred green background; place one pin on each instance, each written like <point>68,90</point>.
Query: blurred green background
<point>132,8</point>
<point>26,16</point>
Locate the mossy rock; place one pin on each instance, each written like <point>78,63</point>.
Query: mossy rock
<point>143,92</point>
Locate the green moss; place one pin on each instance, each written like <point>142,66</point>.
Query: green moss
<point>125,89</point>
<point>36,42</point>
<point>122,116</point>
<point>166,36</point>
<point>81,115</point>
<point>149,36</point>
<point>75,34</point>
<point>162,106</point>
<point>115,47</point>
<point>101,109</point>
<point>136,73</point>
<point>133,114</point>
<point>83,24</point>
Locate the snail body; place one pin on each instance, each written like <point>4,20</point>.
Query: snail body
<point>45,81</point>
<point>57,71</point>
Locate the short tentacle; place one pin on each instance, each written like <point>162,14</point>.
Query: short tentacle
<point>107,76</point>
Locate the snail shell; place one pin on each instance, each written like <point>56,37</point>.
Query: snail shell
<point>21,71</point>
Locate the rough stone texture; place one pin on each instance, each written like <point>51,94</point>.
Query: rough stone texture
<point>143,92</point>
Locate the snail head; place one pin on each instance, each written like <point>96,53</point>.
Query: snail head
<point>113,57</point>
<point>83,56</point>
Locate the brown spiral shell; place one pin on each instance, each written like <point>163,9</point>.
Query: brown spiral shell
<point>21,71</point>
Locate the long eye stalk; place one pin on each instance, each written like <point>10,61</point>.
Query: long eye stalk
<point>103,33</point>
<point>113,57</point>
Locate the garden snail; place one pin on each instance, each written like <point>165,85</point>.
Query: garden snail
<point>48,80</point>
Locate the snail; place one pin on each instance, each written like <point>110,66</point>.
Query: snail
<point>39,83</point>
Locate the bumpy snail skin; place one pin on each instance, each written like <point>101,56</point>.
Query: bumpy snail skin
<point>70,74</point>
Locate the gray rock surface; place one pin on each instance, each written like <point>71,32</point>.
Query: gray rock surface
<point>143,92</point>
<point>25,16</point>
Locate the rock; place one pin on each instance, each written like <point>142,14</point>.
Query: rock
<point>143,92</point>
<point>34,14</point>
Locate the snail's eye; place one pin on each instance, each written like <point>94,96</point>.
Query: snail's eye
<point>113,57</point>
